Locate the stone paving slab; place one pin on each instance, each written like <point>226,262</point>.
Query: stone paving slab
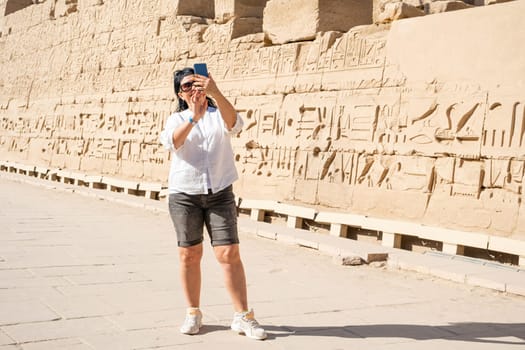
<point>59,329</point>
<point>58,344</point>
<point>4,339</point>
<point>25,312</point>
<point>79,307</point>
<point>9,347</point>
<point>108,273</point>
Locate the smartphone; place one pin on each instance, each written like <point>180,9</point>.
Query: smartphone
<point>201,69</point>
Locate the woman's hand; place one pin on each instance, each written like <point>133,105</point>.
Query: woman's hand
<point>206,85</point>
<point>200,104</point>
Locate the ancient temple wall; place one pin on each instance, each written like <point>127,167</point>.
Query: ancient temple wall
<point>422,120</point>
<point>465,109</point>
<point>481,37</point>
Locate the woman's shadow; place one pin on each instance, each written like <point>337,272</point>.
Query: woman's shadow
<point>476,332</point>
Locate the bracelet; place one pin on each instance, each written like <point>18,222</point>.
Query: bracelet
<point>192,122</point>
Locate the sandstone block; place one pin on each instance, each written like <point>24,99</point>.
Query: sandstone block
<point>347,260</point>
<point>416,3</point>
<point>445,6</point>
<point>297,20</point>
<point>379,5</point>
<point>398,10</point>
<point>228,9</point>
<point>512,245</point>
<point>65,7</point>
<point>198,8</point>
<point>392,240</point>
<point>294,210</point>
<point>341,218</point>
<point>245,26</point>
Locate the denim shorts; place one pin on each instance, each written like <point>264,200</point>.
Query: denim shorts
<point>190,212</point>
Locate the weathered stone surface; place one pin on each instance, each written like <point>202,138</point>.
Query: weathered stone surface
<point>387,10</point>
<point>246,25</point>
<point>347,260</point>
<point>298,20</point>
<point>445,6</point>
<point>394,11</point>
<point>281,14</point>
<point>199,8</point>
<point>228,9</point>
<point>64,8</point>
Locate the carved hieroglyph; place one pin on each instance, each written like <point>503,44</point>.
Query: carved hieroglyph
<point>422,119</point>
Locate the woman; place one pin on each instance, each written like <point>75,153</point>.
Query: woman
<point>200,193</point>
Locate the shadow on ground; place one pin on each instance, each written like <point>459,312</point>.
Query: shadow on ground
<point>477,332</point>
<point>210,328</point>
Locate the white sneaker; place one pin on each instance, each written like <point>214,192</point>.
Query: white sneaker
<point>193,322</point>
<point>244,322</point>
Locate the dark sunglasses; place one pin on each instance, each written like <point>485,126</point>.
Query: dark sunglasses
<point>186,86</point>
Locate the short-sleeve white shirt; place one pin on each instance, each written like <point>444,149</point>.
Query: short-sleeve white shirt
<point>205,160</point>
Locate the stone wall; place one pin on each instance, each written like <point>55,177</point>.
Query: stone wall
<point>421,119</point>
<point>298,20</point>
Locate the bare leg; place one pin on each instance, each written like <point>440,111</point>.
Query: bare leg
<point>190,273</point>
<point>235,280</point>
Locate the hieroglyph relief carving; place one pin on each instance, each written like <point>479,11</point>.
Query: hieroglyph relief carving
<point>331,122</point>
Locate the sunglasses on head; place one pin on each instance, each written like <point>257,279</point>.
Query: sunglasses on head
<point>186,86</point>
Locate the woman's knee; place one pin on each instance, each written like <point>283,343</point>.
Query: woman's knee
<point>190,255</point>
<point>228,254</point>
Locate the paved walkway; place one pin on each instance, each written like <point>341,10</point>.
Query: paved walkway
<point>79,272</point>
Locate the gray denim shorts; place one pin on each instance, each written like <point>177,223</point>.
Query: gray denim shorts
<point>190,212</point>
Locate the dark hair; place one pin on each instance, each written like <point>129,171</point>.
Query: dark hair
<point>177,78</point>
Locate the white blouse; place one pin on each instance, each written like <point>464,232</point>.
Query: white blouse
<point>205,160</point>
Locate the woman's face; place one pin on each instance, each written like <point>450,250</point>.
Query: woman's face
<point>186,88</point>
